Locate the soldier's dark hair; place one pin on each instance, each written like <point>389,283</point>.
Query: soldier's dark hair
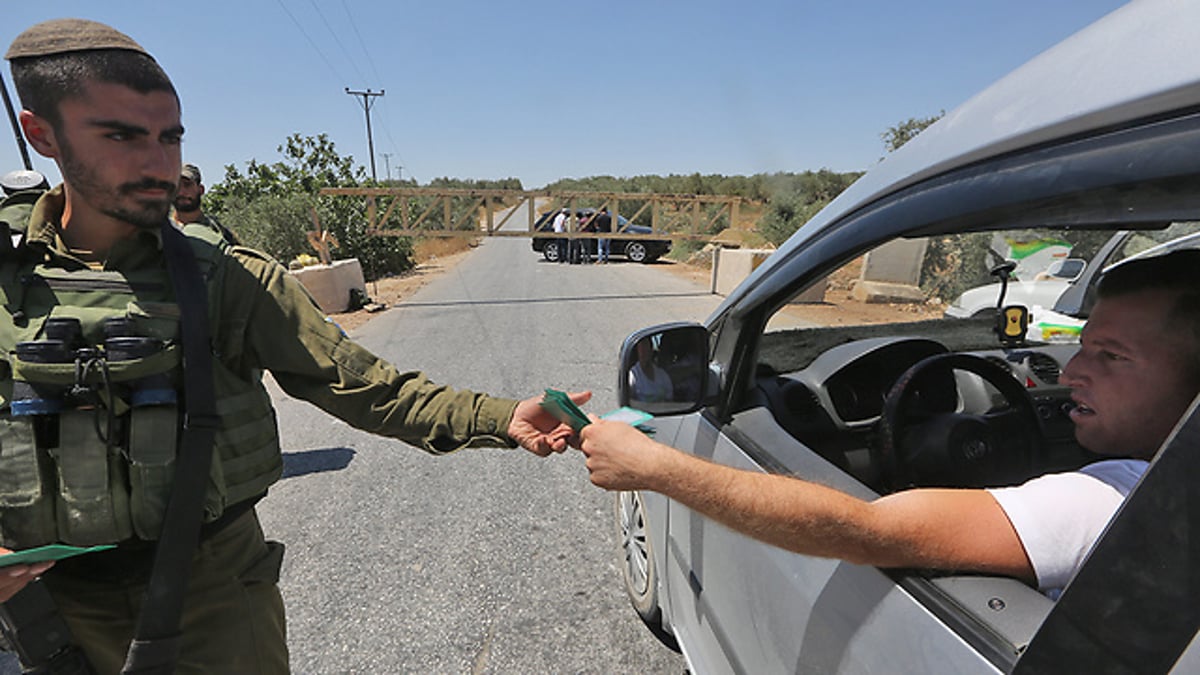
<point>44,82</point>
<point>1177,272</point>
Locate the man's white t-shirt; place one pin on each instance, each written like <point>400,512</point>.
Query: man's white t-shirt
<point>560,222</point>
<point>1058,517</point>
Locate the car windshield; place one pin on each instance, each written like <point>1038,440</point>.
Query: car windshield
<point>949,286</point>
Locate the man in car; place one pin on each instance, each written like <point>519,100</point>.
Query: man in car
<point>1135,374</point>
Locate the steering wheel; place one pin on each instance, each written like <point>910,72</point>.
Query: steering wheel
<point>924,441</point>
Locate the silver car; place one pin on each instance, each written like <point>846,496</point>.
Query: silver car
<point>874,389</point>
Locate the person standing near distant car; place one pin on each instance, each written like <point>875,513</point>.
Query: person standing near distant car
<point>560,226</point>
<point>587,247</point>
<point>603,225</point>
<point>575,245</point>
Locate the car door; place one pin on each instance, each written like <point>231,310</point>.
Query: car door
<point>748,607</point>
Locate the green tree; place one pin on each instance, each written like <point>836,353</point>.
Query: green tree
<point>905,131</point>
<point>272,206</point>
<point>798,197</point>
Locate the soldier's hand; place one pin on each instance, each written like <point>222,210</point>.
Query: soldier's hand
<point>16,577</point>
<point>538,431</point>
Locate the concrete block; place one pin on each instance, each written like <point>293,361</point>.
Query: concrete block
<point>884,292</point>
<point>897,262</point>
<point>732,265</point>
<point>330,285</point>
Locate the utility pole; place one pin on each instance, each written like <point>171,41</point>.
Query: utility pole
<point>367,102</point>
<point>387,166</point>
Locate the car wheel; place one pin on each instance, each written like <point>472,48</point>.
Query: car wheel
<point>551,251</point>
<point>638,568</point>
<point>636,251</point>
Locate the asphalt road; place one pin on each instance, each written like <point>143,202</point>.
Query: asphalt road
<point>489,560</point>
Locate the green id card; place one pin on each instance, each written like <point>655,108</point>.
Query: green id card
<point>51,552</point>
<point>635,418</point>
<point>564,410</point>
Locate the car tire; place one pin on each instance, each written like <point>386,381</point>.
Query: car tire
<point>638,567</point>
<point>636,251</point>
<point>550,251</point>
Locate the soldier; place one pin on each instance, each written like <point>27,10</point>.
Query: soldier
<point>89,457</point>
<point>187,204</point>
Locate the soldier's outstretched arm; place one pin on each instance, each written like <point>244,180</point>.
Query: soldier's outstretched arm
<point>274,325</point>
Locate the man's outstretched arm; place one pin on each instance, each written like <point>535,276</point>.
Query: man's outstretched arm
<point>937,529</point>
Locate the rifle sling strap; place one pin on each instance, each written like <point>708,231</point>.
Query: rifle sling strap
<point>155,648</point>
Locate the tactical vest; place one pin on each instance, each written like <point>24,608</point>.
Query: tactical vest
<point>90,390</point>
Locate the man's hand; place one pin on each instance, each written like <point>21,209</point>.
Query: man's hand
<point>16,577</point>
<point>537,430</point>
<point>619,457</point>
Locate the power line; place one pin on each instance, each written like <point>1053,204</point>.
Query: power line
<point>361,42</point>
<point>336,39</point>
<point>387,131</point>
<point>310,41</point>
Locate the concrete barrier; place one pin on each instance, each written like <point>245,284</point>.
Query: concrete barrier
<point>731,266</point>
<point>330,285</point>
<point>892,272</point>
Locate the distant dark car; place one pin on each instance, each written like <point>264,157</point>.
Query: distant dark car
<point>636,250</point>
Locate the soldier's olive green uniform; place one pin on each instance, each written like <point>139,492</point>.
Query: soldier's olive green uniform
<point>260,319</point>
<point>216,226</point>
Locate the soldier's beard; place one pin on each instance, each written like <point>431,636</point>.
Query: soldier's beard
<point>117,201</point>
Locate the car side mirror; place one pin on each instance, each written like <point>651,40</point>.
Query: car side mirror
<point>664,369</point>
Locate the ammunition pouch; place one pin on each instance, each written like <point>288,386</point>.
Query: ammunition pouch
<point>86,456</point>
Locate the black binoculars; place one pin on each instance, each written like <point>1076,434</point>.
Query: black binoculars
<point>63,343</point>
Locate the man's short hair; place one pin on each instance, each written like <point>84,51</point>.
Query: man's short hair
<point>1177,272</point>
<point>54,61</point>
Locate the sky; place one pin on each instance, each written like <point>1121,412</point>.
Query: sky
<point>546,89</point>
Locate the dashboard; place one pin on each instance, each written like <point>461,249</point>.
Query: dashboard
<point>834,404</point>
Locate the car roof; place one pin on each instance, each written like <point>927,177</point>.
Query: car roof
<point>1141,60</point>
